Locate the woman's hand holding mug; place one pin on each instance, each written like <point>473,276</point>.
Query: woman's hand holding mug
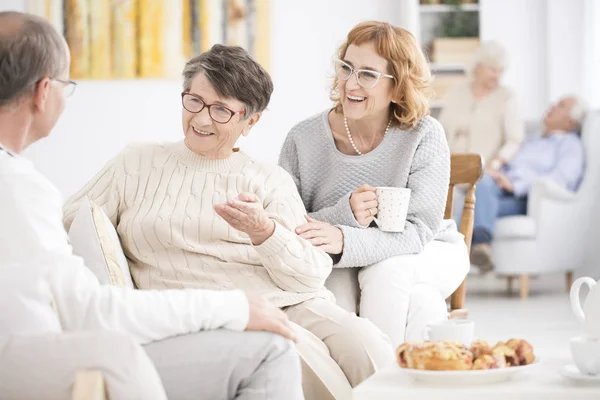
<point>363,202</point>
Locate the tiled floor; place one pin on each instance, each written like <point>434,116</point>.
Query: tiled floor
<point>545,318</point>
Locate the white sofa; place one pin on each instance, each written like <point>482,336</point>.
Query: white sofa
<point>556,234</point>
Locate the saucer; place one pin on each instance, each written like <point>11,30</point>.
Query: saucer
<point>571,372</point>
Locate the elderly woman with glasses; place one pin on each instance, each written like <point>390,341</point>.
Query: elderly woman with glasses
<point>378,133</point>
<point>199,213</point>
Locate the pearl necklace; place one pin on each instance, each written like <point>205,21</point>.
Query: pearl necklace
<point>352,140</point>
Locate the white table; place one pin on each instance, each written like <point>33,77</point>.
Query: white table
<point>540,382</point>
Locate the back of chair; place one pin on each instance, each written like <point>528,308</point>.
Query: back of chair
<point>465,169</point>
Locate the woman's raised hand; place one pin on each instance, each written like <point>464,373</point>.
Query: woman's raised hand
<point>246,214</point>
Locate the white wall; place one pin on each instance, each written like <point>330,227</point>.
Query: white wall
<point>591,48</point>
<point>524,41</point>
<point>552,47</point>
<point>102,117</point>
<point>549,58</point>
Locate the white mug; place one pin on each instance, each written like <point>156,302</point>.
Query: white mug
<point>586,354</point>
<point>461,330</point>
<point>392,209</point>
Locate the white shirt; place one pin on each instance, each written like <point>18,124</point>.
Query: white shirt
<point>34,242</point>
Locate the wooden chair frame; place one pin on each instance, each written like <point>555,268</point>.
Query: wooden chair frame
<point>465,169</point>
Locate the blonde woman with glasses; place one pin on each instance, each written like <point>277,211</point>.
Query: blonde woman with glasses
<point>378,133</point>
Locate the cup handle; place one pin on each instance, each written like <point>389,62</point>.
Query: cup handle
<point>574,295</point>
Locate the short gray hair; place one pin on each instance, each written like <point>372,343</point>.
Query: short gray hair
<point>30,49</point>
<point>490,53</point>
<point>578,110</point>
<point>234,74</point>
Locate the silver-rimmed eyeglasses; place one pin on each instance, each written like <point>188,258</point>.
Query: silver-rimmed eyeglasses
<point>365,77</point>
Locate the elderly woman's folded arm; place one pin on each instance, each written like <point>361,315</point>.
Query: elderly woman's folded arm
<point>291,261</point>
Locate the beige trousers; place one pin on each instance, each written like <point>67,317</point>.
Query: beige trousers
<point>338,349</point>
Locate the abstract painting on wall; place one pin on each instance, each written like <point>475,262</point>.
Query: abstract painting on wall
<point>128,39</point>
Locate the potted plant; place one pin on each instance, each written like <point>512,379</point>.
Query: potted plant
<point>457,36</point>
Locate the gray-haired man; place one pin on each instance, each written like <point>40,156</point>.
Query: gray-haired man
<point>37,266</point>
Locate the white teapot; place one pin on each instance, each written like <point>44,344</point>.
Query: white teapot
<point>589,315</point>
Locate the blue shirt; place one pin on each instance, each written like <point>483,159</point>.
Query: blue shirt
<point>558,156</point>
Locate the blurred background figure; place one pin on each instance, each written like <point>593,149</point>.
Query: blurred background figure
<point>556,154</point>
<point>482,116</point>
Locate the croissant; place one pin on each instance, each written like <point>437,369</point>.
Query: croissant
<point>438,356</point>
<point>510,356</point>
<point>480,348</point>
<point>523,350</point>
<point>447,355</point>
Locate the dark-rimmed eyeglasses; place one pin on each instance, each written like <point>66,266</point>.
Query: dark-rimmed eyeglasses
<point>218,112</point>
<point>365,77</point>
<point>69,86</point>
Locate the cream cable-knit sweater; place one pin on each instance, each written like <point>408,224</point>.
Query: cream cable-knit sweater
<point>160,197</point>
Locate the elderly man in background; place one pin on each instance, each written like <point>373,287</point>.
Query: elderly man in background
<point>556,154</point>
<point>101,327</point>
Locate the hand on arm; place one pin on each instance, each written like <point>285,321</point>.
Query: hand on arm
<point>264,316</point>
<point>326,237</point>
<point>291,261</point>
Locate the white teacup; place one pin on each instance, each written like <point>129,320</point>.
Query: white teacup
<point>586,354</point>
<point>392,209</point>
<point>461,330</point>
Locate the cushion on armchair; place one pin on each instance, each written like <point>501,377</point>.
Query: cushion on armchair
<point>513,227</point>
<point>94,238</point>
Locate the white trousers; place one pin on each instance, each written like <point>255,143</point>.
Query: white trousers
<point>45,366</point>
<point>402,294</point>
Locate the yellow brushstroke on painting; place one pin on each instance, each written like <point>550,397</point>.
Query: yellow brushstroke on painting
<point>172,40</point>
<point>262,43</point>
<point>77,34</point>
<point>151,38</point>
<point>188,47</point>
<point>237,14</point>
<point>124,49</point>
<point>48,8</point>
<point>100,39</point>
<point>205,25</point>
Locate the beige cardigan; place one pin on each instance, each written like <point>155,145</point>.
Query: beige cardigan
<point>491,126</point>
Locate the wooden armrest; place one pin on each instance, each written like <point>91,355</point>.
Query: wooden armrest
<point>89,385</point>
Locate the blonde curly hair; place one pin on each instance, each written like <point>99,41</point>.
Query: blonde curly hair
<point>408,65</point>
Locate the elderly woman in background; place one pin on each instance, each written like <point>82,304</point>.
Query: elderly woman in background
<point>378,133</point>
<point>199,213</point>
<point>480,115</point>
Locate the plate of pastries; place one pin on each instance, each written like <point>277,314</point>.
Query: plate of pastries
<point>451,362</point>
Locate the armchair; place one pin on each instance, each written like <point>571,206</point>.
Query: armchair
<point>556,232</point>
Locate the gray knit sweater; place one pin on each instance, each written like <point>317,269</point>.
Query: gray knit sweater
<point>418,159</point>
